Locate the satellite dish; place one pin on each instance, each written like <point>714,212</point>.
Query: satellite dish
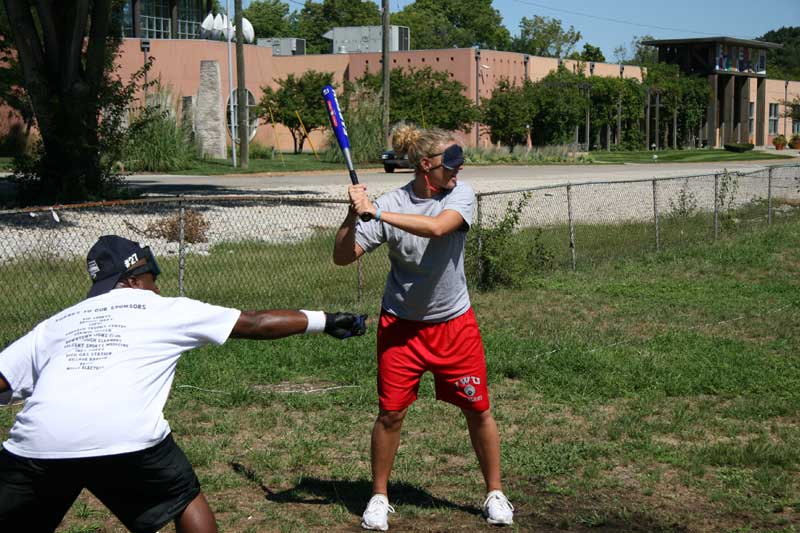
<point>216,29</point>
<point>248,32</point>
<point>207,26</point>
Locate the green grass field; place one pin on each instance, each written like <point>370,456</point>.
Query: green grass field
<point>655,392</point>
<point>683,156</point>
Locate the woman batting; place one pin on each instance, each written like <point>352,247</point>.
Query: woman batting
<point>426,322</point>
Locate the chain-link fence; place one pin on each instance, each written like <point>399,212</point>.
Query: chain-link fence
<point>586,223</point>
<point>271,252</point>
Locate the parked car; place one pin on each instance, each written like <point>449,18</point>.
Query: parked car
<point>391,161</point>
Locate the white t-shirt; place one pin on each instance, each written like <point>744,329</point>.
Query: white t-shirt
<point>427,281</point>
<point>97,375</point>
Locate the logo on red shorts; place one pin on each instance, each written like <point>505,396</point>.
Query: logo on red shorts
<point>468,384</point>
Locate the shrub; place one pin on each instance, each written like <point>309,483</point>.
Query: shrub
<point>521,154</point>
<point>498,255</point>
<point>260,151</point>
<point>779,141</point>
<point>15,141</point>
<point>684,205</point>
<point>169,228</point>
<point>364,127</point>
<point>739,147</point>
<point>155,140</point>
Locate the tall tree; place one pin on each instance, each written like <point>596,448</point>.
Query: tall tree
<point>686,96</point>
<point>297,95</point>
<point>592,54</point>
<point>449,23</point>
<point>66,51</point>
<point>543,36</point>
<point>412,91</point>
<point>783,64</point>
<point>643,54</point>
<point>620,54</point>
<point>560,105</point>
<point>270,18</point>
<point>12,92</point>
<point>314,19</point>
<point>509,112</point>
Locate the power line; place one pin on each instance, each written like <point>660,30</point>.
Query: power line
<point>608,19</point>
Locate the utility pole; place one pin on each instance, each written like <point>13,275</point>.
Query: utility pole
<point>477,94</point>
<point>785,105</point>
<point>385,69</point>
<point>230,81</point>
<point>241,93</point>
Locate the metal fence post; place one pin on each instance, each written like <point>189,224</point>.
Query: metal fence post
<point>716,205</point>
<point>769,197</point>
<point>181,246</point>
<point>655,214</point>
<point>360,281</point>
<point>571,226</point>
<point>478,215</point>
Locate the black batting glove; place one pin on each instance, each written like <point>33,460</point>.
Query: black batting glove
<point>344,325</point>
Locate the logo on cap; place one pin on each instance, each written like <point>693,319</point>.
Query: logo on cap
<point>92,267</point>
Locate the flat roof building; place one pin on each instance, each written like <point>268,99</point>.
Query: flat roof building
<point>737,71</point>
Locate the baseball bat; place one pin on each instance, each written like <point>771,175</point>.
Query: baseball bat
<point>340,130</point>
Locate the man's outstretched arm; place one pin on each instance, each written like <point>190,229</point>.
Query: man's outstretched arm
<point>275,324</point>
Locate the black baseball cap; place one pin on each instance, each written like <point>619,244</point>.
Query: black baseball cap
<point>113,256</point>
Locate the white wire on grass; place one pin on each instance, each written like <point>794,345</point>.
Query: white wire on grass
<point>202,389</point>
<point>292,391</point>
<point>326,389</point>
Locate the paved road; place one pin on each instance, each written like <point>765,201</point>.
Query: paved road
<point>482,178</point>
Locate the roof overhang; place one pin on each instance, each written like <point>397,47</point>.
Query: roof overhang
<point>750,43</point>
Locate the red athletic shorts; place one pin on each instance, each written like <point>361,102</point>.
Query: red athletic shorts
<point>451,350</point>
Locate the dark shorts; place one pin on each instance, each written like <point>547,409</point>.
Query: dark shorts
<point>452,351</point>
<point>144,489</point>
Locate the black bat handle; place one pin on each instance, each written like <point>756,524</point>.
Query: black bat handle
<point>366,217</point>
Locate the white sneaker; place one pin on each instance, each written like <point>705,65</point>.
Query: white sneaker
<point>497,509</point>
<point>376,515</point>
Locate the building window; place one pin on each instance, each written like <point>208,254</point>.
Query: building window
<point>751,117</point>
<point>127,20</point>
<point>156,23</point>
<point>189,18</point>
<point>795,126</point>
<point>773,119</point>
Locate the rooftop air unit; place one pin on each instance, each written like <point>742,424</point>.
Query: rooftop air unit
<point>284,46</point>
<point>348,39</point>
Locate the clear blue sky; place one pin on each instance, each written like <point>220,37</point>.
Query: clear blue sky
<point>664,19</point>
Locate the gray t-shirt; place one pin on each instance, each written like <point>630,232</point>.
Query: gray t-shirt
<point>427,281</point>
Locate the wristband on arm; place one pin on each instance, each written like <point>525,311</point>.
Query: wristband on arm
<point>339,325</point>
<point>378,212</point>
<point>316,321</point>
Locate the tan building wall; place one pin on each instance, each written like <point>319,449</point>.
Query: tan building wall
<point>177,65</point>
<point>775,94</point>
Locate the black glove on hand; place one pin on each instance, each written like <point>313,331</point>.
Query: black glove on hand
<point>344,325</point>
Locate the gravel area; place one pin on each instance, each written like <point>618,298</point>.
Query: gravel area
<point>288,215</point>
